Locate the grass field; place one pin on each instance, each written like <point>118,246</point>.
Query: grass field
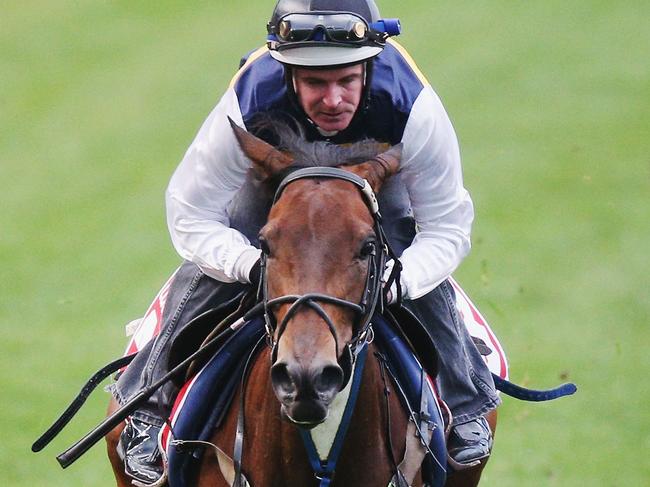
<point>551,102</point>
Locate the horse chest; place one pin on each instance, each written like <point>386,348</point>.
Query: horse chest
<point>324,434</point>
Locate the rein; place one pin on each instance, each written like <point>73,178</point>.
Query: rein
<point>228,327</point>
<point>372,295</point>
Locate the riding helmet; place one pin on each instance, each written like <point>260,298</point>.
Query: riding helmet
<point>326,33</point>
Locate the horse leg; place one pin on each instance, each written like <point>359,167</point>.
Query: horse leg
<point>111,445</point>
<point>470,477</point>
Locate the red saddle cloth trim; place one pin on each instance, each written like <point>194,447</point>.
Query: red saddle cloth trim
<point>478,327</point>
<point>151,322</point>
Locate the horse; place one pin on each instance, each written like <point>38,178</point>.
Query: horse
<point>319,247</point>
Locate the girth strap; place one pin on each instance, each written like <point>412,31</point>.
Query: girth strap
<point>526,394</point>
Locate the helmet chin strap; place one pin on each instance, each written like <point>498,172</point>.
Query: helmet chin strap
<point>326,133</point>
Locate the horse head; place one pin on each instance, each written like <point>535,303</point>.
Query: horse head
<point>320,248</point>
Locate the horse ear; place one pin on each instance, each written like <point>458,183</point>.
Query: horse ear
<point>267,160</point>
<point>378,169</point>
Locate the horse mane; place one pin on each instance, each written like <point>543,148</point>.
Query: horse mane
<point>286,134</point>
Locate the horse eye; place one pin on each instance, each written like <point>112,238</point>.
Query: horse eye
<point>368,248</point>
<point>264,247</point>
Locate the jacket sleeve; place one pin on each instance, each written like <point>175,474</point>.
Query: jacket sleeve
<point>442,207</point>
<point>211,172</point>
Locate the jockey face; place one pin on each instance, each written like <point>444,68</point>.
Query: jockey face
<point>329,97</point>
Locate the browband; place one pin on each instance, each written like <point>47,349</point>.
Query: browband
<point>336,173</point>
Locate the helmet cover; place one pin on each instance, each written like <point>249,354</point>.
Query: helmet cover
<point>324,33</point>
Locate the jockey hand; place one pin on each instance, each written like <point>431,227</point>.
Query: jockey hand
<point>255,274</point>
<point>390,293</point>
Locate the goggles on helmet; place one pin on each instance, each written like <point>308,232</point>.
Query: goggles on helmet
<point>316,28</point>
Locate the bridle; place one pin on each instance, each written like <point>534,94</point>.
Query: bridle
<point>372,299</point>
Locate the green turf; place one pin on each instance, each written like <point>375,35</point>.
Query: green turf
<point>98,101</point>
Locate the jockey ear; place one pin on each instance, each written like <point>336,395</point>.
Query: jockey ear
<point>378,169</point>
<point>267,160</point>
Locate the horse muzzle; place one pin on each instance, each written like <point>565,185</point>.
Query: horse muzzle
<point>305,393</point>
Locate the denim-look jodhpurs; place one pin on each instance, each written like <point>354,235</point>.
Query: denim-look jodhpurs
<point>464,380</point>
<point>191,293</point>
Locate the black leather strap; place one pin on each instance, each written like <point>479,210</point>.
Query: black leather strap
<point>79,401</point>
<point>319,172</point>
<point>238,449</point>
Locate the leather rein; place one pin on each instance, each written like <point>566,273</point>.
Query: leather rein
<point>372,299</point>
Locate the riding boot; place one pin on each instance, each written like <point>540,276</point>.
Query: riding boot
<point>470,442</point>
<point>138,448</point>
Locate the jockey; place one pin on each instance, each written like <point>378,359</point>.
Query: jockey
<point>330,66</point>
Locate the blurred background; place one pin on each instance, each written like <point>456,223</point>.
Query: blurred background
<point>551,102</point>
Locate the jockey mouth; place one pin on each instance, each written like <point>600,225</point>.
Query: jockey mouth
<point>333,121</point>
<point>334,115</point>
<point>334,118</point>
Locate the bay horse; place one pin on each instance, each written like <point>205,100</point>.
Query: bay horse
<point>317,247</point>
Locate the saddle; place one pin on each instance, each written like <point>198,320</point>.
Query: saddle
<point>201,330</point>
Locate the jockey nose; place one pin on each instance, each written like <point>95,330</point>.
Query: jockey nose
<point>332,97</point>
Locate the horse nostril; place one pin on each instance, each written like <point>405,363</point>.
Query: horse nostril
<point>329,380</point>
<point>281,379</point>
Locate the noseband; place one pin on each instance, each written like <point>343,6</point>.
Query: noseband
<point>372,294</point>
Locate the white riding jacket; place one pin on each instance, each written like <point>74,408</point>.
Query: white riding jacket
<point>403,108</point>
